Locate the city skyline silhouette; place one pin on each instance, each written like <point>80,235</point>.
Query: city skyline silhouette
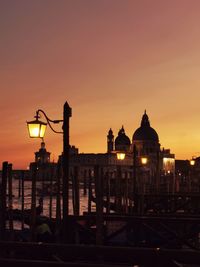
<point>110,60</point>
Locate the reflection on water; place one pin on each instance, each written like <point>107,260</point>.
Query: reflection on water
<point>17,201</point>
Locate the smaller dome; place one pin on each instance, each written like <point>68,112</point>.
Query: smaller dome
<point>122,139</point>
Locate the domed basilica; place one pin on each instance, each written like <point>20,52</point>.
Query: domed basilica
<point>144,145</point>
<point>145,138</point>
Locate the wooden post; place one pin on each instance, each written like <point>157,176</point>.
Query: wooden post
<point>126,192</point>
<point>76,200</point>
<point>51,193</point>
<point>44,178</point>
<point>85,183</point>
<point>65,164</point>
<point>135,196</point>
<point>19,186</point>
<point>22,202</point>
<point>142,191</point>
<point>99,205</point>
<point>58,206</point>
<point>10,203</point>
<point>108,193</point>
<point>118,189</point>
<point>75,191</point>
<point>3,200</point>
<point>158,174</point>
<point>89,191</point>
<point>33,203</point>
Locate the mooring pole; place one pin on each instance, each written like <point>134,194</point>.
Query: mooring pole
<point>3,200</point>
<point>33,204</point>
<point>135,197</point>
<point>65,165</point>
<point>99,204</point>
<point>10,201</point>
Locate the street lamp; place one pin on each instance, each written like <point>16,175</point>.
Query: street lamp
<point>121,155</point>
<point>191,174</point>
<point>37,130</point>
<point>144,160</point>
<point>136,172</point>
<point>192,162</point>
<point>135,197</point>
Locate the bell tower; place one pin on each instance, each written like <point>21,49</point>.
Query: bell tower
<point>110,141</point>
<point>42,156</point>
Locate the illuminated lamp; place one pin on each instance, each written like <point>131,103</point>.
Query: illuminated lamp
<point>144,160</point>
<point>121,155</point>
<point>36,128</point>
<point>192,162</point>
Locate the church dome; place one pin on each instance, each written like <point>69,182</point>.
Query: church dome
<point>145,131</point>
<point>122,139</point>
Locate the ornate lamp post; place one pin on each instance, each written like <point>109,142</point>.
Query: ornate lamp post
<point>120,157</point>
<point>137,163</point>
<point>135,197</point>
<point>144,161</point>
<point>37,130</point>
<point>191,174</point>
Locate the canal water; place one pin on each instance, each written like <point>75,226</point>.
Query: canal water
<point>17,201</point>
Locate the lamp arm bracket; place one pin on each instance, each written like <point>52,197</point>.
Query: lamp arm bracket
<point>48,120</point>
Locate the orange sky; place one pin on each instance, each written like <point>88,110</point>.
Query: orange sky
<point>110,60</point>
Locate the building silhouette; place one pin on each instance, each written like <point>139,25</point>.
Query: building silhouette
<point>156,175</point>
<point>46,169</point>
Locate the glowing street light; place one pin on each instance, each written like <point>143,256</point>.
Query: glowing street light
<point>121,155</point>
<point>36,128</point>
<point>144,160</point>
<point>192,162</point>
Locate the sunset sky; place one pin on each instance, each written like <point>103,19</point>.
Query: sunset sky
<point>111,60</point>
